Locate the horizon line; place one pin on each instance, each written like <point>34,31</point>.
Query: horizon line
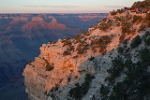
<point>58,13</point>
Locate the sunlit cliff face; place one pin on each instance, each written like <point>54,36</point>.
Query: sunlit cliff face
<point>62,64</point>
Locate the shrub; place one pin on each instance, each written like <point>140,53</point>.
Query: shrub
<point>127,50</point>
<point>117,18</point>
<point>135,42</point>
<point>67,38</point>
<point>113,12</point>
<point>91,58</point>
<point>79,91</point>
<point>67,42</point>
<point>104,19</point>
<point>136,18</point>
<point>49,67</point>
<point>125,29</point>
<point>66,53</point>
<point>145,54</point>
<point>147,41</point>
<point>147,33</point>
<point>120,11</point>
<point>78,37</point>
<point>142,27</point>
<point>109,23</point>
<point>116,69</point>
<point>81,48</point>
<point>103,26</point>
<point>120,50</point>
<point>104,90</point>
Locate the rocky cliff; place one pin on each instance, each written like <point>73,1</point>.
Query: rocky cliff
<point>19,44</point>
<point>93,65</point>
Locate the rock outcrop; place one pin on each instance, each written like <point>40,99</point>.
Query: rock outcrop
<point>19,45</point>
<point>59,70</point>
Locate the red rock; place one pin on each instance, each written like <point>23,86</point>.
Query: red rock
<point>39,22</point>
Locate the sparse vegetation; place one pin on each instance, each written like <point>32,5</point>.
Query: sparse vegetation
<point>105,25</point>
<point>147,41</point>
<point>135,85</point>
<point>116,69</point>
<point>120,50</point>
<point>135,42</point>
<point>80,90</point>
<point>120,11</point>
<point>141,4</point>
<point>113,12</point>
<point>136,18</point>
<point>66,53</point>
<point>142,27</point>
<point>104,90</point>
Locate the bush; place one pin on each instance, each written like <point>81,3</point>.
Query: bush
<point>79,91</point>
<point>78,37</point>
<point>103,26</point>
<point>120,50</point>
<point>81,48</point>
<point>135,42</point>
<point>147,41</point>
<point>116,69</point>
<point>49,67</point>
<point>66,53</point>
<point>104,90</point>
<point>113,12</point>
<point>136,18</point>
<point>125,29</point>
<point>147,33</point>
<point>67,42</point>
<point>142,27</point>
<point>145,55</point>
<point>120,11</point>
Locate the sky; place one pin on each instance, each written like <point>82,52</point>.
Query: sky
<point>62,6</point>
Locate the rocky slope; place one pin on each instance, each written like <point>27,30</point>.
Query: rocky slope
<point>92,65</point>
<point>22,34</point>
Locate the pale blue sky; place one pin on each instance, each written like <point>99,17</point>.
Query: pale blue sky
<point>62,6</point>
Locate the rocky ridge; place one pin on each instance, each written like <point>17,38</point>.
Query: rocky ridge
<point>68,65</point>
<point>38,21</point>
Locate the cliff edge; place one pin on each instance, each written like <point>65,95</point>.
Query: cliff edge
<point>93,65</point>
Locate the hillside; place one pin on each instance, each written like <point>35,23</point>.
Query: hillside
<point>109,62</point>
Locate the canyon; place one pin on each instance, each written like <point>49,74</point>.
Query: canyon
<point>21,35</point>
<point>108,62</point>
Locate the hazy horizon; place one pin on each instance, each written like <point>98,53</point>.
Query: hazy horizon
<point>58,6</point>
